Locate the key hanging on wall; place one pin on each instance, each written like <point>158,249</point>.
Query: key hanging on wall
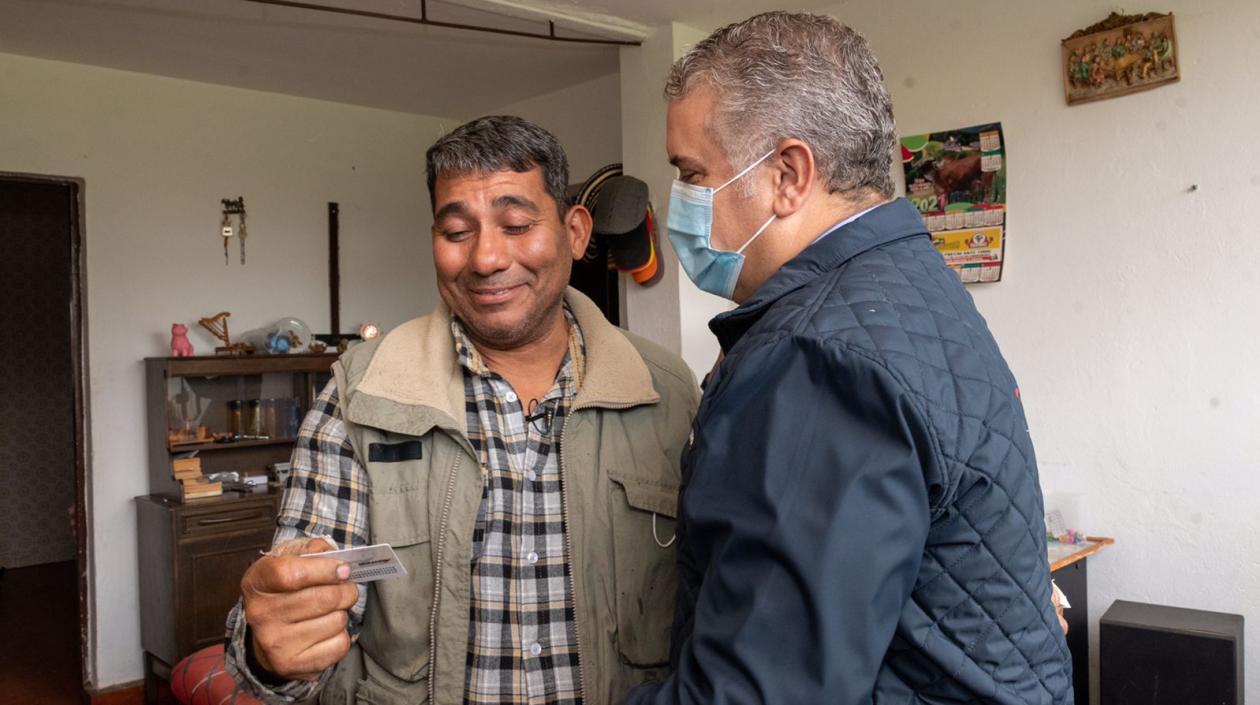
<point>233,207</point>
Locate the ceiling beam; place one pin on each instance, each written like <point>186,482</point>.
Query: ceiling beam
<point>483,5</point>
<point>564,16</point>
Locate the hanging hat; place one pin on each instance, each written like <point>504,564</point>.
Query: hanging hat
<point>623,222</point>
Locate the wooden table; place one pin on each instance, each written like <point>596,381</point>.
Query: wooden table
<point>1068,567</point>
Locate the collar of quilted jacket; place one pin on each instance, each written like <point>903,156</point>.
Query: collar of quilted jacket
<point>896,220</point>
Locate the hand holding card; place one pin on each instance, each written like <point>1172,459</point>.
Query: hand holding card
<point>296,601</point>
<point>368,563</point>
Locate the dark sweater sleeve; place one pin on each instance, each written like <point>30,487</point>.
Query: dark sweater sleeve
<point>808,507</point>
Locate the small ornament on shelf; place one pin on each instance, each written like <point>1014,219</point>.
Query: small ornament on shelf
<point>1071,536</point>
<point>180,345</point>
<point>218,327</point>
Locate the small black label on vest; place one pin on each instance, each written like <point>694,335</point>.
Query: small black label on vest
<point>395,452</point>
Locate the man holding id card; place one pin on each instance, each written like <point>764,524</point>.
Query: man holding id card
<point>504,471</point>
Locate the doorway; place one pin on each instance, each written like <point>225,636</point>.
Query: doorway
<point>43,469</point>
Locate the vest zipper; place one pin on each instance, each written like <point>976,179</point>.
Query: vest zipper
<point>568,542</point>
<point>568,547</point>
<point>437,580</point>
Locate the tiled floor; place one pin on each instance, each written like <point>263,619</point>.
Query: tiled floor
<point>39,618</point>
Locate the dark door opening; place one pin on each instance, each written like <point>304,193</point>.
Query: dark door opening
<point>42,441</point>
<point>592,276</point>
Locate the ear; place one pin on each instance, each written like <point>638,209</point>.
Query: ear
<point>577,226</point>
<point>795,176</point>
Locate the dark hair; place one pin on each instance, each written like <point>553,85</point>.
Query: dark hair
<point>499,143</point>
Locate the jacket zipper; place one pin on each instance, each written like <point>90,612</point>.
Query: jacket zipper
<point>568,542</point>
<point>437,579</point>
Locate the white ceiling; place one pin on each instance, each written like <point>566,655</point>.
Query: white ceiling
<point>384,64</point>
<point>378,63</point>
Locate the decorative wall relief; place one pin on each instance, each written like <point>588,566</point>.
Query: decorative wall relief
<point>1122,54</point>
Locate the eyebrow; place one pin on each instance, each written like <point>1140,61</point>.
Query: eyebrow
<point>688,163</point>
<point>499,203</point>
<point>452,208</point>
<point>511,201</point>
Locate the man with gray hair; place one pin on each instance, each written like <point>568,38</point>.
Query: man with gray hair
<point>517,451</point>
<point>860,519</point>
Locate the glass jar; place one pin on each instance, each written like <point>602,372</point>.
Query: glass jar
<point>235,421</point>
<point>269,421</point>
<point>253,417</point>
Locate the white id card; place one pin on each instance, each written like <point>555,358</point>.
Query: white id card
<point>368,563</point>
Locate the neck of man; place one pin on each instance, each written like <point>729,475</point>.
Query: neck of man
<point>797,233</point>
<point>530,367</point>
<point>834,209</point>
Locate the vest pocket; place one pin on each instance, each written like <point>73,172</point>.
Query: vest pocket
<point>397,618</point>
<point>643,513</point>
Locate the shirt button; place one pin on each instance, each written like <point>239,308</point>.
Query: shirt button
<point>531,475</point>
<point>511,396</point>
<point>535,648</point>
<point>532,557</point>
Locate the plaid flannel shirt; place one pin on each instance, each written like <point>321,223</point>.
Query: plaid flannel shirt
<point>522,645</point>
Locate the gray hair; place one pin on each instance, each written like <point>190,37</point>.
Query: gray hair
<point>500,143</point>
<point>785,75</point>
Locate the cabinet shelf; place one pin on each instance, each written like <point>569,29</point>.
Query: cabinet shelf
<point>190,447</point>
<point>186,391</point>
<point>219,365</point>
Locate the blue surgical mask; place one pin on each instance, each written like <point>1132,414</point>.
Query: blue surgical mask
<point>690,227</point>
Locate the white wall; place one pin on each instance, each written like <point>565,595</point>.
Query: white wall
<point>673,311</point>
<point>156,155</point>
<point>585,117</point>
<point>1128,307</point>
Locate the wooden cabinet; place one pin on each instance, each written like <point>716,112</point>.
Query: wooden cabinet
<point>192,554</point>
<point>192,557</point>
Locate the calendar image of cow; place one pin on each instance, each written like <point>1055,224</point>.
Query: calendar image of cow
<point>959,179</point>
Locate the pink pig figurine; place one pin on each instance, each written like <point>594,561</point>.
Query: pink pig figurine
<point>180,345</point>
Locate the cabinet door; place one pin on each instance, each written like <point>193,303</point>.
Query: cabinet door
<point>208,581</point>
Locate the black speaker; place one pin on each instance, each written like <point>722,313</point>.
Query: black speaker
<point>1157,655</point>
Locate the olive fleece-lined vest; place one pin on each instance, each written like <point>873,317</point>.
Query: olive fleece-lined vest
<point>402,400</point>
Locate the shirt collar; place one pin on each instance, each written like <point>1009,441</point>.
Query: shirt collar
<point>845,222</point>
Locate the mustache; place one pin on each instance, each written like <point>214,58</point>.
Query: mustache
<point>491,283</point>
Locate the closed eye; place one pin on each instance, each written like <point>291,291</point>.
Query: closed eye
<point>456,235</point>
<point>519,229</point>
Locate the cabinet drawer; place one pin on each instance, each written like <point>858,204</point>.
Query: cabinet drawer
<point>226,519</point>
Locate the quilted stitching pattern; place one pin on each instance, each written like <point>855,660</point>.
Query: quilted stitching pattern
<point>979,620</point>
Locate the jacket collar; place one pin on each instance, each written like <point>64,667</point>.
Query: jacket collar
<point>415,365</point>
<point>893,221</point>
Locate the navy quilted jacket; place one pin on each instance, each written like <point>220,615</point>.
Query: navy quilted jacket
<point>861,519</point>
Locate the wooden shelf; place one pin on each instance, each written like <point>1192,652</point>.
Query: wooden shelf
<point>1063,555</point>
<point>190,447</point>
<point>213,381</point>
<point>217,365</point>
